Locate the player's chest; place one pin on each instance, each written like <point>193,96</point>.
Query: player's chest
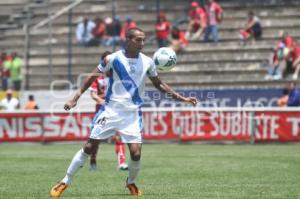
<point>135,68</point>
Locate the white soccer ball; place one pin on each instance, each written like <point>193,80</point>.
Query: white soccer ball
<point>165,58</point>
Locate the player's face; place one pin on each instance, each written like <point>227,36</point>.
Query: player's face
<point>137,42</point>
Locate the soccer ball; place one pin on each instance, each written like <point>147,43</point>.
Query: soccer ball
<point>165,58</point>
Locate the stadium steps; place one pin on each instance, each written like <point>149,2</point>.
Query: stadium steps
<point>198,78</point>
<point>62,41</point>
<point>189,66</point>
<point>240,20</point>
<point>228,83</point>
<point>194,49</point>
<point>187,57</point>
<point>180,69</point>
<point>203,64</point>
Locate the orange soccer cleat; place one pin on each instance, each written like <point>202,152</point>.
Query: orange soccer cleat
<point>133,189</point>
<point>58,189</point>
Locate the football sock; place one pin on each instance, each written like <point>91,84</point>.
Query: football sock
<point>120,150</point>
<point>78,161</point>
<point>133,170</point>
<point>93,159</point>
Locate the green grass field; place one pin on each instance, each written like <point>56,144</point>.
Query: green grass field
<point>169,171</point>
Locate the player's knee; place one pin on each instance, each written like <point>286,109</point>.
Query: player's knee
<point>135,156</point>
<point>87,148</point>
<point>90,148</point>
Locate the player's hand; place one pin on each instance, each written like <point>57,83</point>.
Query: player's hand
<point>69,104</point>
<point>192,100</point>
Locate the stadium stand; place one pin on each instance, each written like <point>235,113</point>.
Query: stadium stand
<point>227,64</point>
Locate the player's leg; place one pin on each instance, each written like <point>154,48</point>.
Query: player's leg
<point>120,151</point>
<point>134,168</point>
<point>189,29</point>
<point>130,131</point>
<point>93,161</point>
<point>77,162</point>
<point>215,33</point>
<point>207,32</point>
<point>296,65</point>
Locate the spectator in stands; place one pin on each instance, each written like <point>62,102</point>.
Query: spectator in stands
<point>10,103</point>
<point>100,30</point>
<point>84,32</point>
<point>178,40</point>
<point>295,54</point>
<point>117,25</point>
<point>162,29</point>
<point>283,100</point>
<point>294,95</point>
<point>290,46</point>
<point>4,72</point>
<point>197,21</point>
<point>130,23</point>
<point>214,14</point>
<point>253,28</point>
<point>39,1</point>
<point>31,104</point>
<point>281,58</point>
<point>113,31</point>
<point>14,65</point>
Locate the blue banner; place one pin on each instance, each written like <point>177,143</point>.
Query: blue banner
<point>217,98</point>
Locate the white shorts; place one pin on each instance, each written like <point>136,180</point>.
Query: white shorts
<point>128,123</point>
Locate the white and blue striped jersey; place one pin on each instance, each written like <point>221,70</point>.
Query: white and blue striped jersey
<point>127,79</point>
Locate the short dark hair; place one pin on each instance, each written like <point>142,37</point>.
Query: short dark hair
<point>285,91</point>
<point>130,32</point>
<point>31,97</point>
<point>105,54</point>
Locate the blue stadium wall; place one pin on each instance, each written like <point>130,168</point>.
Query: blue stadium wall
<point>218,98</point>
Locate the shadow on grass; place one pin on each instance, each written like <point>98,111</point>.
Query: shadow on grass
<point>107,195</point>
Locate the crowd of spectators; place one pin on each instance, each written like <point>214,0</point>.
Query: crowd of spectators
<point>107,32</point>
<point>11,102</point>
<point>168,35</point>
<point>202,25</point>
<point>11,82</point>
<point>202,20</point>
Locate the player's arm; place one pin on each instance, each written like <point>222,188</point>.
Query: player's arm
<point>250,24</point>
<point>163,87</point>
<point>87,82</point>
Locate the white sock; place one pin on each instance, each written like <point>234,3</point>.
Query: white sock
<point>78,161</point>
<point>133,170</point>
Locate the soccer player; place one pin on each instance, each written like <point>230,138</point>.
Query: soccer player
<point>97,92</point>
<point>122,110</point>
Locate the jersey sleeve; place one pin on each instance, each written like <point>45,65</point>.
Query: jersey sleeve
<point>93,86</point>
<point>219,9</point>
<point>106,66</point>
<point>152,69</point>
